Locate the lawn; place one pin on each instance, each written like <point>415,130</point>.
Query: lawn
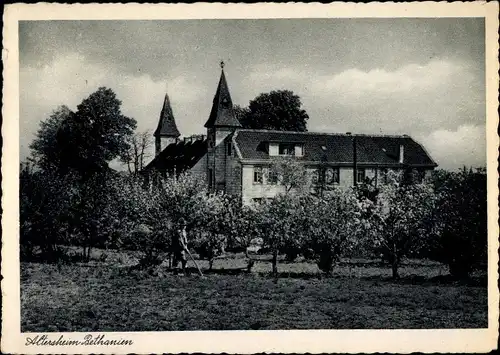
<point>108,296</point>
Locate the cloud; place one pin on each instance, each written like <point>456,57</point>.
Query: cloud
<point>412,98</point>
<point>354,83</point>
<point>453,149</point>
<point>70,78</point>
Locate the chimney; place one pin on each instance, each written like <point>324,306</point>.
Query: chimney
<point>401,153</point>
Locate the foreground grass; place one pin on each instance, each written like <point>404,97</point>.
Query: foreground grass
<point>105,297</point>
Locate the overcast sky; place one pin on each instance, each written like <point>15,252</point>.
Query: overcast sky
<point>422,77</point>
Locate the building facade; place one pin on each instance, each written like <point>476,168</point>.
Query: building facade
<point>240,161</point>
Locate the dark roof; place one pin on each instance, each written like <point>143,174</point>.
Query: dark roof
<point>336,148</point>
<point>166,124</point>
<point>222,113</point>
<point>183,154</point>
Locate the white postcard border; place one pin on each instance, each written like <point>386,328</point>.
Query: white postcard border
<point>296,341</point>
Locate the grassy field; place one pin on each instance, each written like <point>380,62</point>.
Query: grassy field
<point>108,296</point>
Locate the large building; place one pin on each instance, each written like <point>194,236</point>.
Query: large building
<point>237,160</point>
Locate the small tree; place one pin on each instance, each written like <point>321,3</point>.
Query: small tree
<point>331,226</point>
<point>215,224</point>
<point>291,174</point>
<point>93,214</point>
<point>399,219</point>
<point>278,225</point>
<point>138,152</point>
<point>145,220</point>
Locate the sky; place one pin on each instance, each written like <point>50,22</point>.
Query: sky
<point>421,77</point>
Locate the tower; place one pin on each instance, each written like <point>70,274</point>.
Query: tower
<point>166,132</point>
<point>221,123</point>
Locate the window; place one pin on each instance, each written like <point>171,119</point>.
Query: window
<point>272,177</point>
<point>229,149</point>
<point>299,150</point>
<point>257,175</point>
<point>360,175</point>
<point>286,149</point>
<point>332,176</point>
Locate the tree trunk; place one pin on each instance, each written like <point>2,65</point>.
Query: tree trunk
<point>395,262</point>
<point>395,274</point>
<point>210,264</point>
<point>275,263</point>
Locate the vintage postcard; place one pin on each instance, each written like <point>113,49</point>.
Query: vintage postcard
<point>236,178</point>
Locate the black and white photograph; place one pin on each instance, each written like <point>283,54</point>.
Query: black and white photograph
<point>219,173</point>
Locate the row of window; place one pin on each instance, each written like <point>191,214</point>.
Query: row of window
<point>328,176</point>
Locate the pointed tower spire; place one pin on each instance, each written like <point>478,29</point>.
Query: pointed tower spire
<point>166,124</point>
<point>166,132</point>
<point>222,113</point>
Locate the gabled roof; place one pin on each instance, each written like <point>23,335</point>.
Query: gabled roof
<point>182,154</point>
<point>166,124</point>
<point>222,113</point>
<point>336,148</point>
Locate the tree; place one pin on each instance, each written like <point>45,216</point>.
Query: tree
<point>289,173</point>
<point>399,220</point>
<point>84,141</point>
<point>138,152</point>
<point>461,220</point>
<point>279,225</point>
<point>241,113</point>
<point>45,150</point>
<point>331,226</point>
<point>93,212</point>
<point>279,110</point>
<point>215,224</point>
<point>45,199</point>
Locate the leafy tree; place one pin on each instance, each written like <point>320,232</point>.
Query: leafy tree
<point>145,219</point>
<point>279,225</point>
<point>332,226</point>
<point>215,224</point>
<point>86,140</point>
<point>241,113</point>
<point>289,173</point>
<point>93,212</point>
<point>45,150</point>
<point>461,220</point>
<point>399,221</point>
<point>279,110</point>
<point>45,199</point>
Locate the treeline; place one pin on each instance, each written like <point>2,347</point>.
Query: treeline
<point>443,219</point>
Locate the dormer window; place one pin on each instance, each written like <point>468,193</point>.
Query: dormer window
<point>291,149</point>
<point>286,149</point>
